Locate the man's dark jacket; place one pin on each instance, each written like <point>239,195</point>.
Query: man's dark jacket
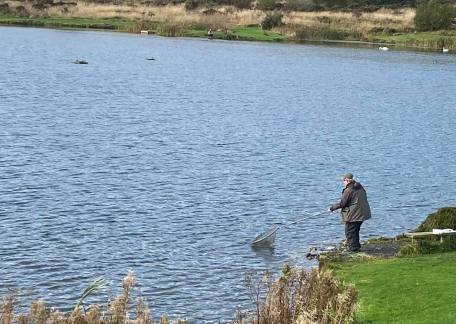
<point>354,204</point>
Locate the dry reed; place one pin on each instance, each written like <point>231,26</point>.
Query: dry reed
<point>119,310</point>
<point>364,22</point>
<point>299,296</point>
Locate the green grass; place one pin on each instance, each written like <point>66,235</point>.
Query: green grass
<point>239,33</point>
<point>403,38</point>
<point>256,33</point>
<point>429,40</point>
<point>116,24</point>
<point>202,33</point>
<point>404,290</point>
<point>434,40</point>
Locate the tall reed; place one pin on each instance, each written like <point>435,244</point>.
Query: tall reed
<point>299,296</point>
<point>122,310</point>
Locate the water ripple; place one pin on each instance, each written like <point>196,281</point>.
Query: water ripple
<point>171,168</point>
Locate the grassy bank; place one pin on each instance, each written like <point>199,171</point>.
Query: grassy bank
<point>384,26</point>
<point>424,40</point>
<point>431,40</point>
<point>62,22</point>
<point>404,290</point>
<point>163,29</point>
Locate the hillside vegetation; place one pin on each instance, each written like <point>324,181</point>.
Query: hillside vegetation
<point>406,23</point>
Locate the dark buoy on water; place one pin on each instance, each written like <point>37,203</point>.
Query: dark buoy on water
<point>80,62</point>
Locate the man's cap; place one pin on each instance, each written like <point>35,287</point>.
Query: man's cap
<point>347,176</point>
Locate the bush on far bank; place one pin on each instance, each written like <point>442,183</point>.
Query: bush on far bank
<point>301,5</point>
<point>272,20</point>
<point>268,4</point>
<point>241,4</point>
<point>434,15</point>
<point>326,32</point>
<point>4,9</point>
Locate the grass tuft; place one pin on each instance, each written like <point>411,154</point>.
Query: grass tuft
<point>97,285</point>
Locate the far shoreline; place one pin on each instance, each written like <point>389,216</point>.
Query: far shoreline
<point>73,25</point>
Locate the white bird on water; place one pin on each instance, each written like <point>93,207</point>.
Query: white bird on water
<point>383,48</point>
<point>445,50</point>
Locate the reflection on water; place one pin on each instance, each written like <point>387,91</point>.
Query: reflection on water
<point>265,252</point>
<point>171,167</point>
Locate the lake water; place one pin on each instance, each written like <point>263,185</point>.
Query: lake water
<point>170,167</point>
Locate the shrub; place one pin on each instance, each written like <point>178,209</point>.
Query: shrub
<point>409,250</point>
<point>326,32</point>
<point>300,296</point>
<point>40,6</point>
<point>300,5</point>
<point>21,11</point>
<point>241,4</point>
<point>444,218</point>
<point>267,4</point>
<point>209,12</point>
<point>170,30</point>
<point>433,16</point>
<point>4,8</point>
<point>271,21</point>
<point>191,4</point>
<point>159,2</point>
<point>424,246</point>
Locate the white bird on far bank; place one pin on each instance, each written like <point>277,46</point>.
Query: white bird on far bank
<point>445,50</point>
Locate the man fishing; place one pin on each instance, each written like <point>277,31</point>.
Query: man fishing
<point>354,209</point>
